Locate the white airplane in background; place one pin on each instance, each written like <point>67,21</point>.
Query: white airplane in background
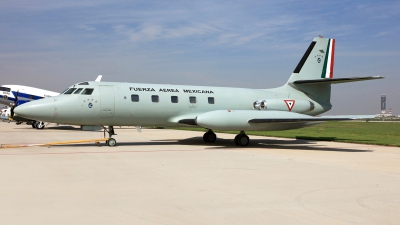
<point>14,95</point>
<point>294,105</point>
<point>5,113</point>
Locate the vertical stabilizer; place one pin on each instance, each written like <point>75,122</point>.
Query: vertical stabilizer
<point>316,63</point>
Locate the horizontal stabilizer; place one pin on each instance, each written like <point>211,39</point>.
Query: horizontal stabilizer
<point>336,80</point>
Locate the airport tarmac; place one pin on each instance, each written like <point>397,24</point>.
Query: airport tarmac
<point>164,176</point>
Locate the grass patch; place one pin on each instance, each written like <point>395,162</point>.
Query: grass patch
<point>376,133</point>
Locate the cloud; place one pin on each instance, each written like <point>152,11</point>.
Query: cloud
<point>86,27</point>
<point>150,32</point>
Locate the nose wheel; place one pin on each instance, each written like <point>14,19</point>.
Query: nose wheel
<point>242,139</point>
<point>111,141</point>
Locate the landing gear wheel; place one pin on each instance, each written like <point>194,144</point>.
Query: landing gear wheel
<point>33,125</point>
<point>40,125</point>
<point>242,139</point>
<point>111,142</point>
<point>209,136</point>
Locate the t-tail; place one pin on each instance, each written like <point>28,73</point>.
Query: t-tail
<point>313,75</point>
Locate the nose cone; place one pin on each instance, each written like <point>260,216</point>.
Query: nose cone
<point>41,110</point>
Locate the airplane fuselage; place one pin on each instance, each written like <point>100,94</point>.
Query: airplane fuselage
<point>134,104</point>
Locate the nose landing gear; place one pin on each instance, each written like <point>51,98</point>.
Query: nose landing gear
<point>111,141</point>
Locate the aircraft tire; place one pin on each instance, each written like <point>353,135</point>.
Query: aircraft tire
<point>242,140</point>
<point>34,124</point>
<point>210,137</point>
<point>40,125</point>
<point>111,142</point>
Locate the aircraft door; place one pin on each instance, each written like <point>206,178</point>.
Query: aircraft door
<point>107,101</point>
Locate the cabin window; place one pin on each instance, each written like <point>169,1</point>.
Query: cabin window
<point>69,91</point>
<point>87,91</point>
<point>192,99</point>
<point>78,91</point>
<point>210,100</point>
<point>135,98</point>
<point>154,98</point>
<point>174,99</point>
<point>31,96</point>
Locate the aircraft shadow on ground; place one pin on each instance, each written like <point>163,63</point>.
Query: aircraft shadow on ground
<point>221,144</point>
<point>328,139</point>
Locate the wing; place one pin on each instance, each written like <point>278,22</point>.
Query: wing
<point>310,119</point>
<point>262,120</point>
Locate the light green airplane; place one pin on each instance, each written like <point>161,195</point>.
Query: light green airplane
<point>294,105</point>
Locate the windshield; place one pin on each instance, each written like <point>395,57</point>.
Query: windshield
<point>69,91</point>
<point>78,91</point>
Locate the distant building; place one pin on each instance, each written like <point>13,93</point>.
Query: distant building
<point>383,104</point>
<point>383,109</point>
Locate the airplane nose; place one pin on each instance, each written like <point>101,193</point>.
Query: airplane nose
<point>40,110</point>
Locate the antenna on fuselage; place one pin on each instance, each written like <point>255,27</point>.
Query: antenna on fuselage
<point>98,79</point>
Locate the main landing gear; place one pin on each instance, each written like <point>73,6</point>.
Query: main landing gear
<point>111,141</point>
<point>209,136</point>
<point>242,139</point>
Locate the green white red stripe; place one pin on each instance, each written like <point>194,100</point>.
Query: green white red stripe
<point>327,72</point>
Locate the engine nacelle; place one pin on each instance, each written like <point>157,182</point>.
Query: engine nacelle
<point>280,104</point>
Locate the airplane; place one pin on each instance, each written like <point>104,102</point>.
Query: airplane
<point>14,95</point>
<point>5,113</point>
<point>294,105</point>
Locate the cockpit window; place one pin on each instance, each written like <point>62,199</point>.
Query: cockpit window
<point>69,91</point>
<point>5,89</point>
<point>87,91</point>
<point>84,83</point>
<point>78,91</point>
<point>64,91</point>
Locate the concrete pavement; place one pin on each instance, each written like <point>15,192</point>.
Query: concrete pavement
<point>172,177</point>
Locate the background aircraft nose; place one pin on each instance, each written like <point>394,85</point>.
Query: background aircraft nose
<point>40,110</point>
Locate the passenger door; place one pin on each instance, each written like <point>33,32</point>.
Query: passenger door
<point>107,101</point>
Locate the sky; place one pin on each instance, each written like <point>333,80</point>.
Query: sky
<point>52,44</point>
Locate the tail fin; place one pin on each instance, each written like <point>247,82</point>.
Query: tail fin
<point>316,64</point>
<point>317,61</point>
